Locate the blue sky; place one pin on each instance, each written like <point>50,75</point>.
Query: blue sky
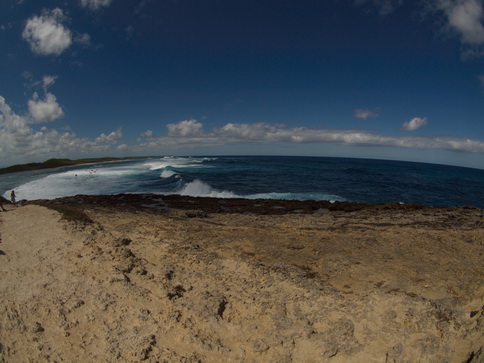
<point>388,79</point>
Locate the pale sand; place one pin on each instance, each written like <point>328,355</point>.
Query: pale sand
<point>333,287</point>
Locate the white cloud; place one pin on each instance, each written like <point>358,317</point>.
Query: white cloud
<point>83,39</point>
<point>263,132</point>
<point>21,143</point>
<point>95,4</point>
<point>111,138</point>
<point>44,110</point>
<point>48,81</point>
<point>28,76</point>
<point>147,133</point>
<point>185,128</point>
<point>465,17</point>
<point>365,114</point>
<point>387,6</point>
<point>462,17</point>
<point>45,83</point>
<point>414,124</point>
<point>256,131</point>
<point>46,35</point>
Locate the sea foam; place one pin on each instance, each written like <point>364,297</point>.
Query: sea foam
<point>197,188</point>
<point>297,196</point>
<point>167,173</point>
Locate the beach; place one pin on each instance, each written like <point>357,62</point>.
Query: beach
<point>183,279</point>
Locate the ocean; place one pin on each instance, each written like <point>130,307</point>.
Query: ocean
<point>270,177</point>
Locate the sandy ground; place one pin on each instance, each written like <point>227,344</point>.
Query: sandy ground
<point>183,286</point>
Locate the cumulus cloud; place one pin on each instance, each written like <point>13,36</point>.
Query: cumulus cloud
<point>465,17</point>
<point>185,128</point>
<point>83,39</point>
<point>263,132</point>
<point>111,138</point>
<point>257,131</point>
<point>95,4</point>
<point>44,110</point>
<point>365,114</point>
<point>48,81</point>
<point>147,133</point>
<point>46,34</point>
<point>45,83</point>
<point>20,142</point>
<point>414,124</point>
<point>462,17</point>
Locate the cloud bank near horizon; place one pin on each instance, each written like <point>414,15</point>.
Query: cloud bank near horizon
<point>190,133</point>
<point>19,139</point>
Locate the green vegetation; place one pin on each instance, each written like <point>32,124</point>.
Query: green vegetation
<point>56,163</point>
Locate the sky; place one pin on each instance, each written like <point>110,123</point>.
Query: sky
<point>384,79</point>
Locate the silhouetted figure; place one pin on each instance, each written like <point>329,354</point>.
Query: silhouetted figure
<point>1,204</point>
<point>12,197</point>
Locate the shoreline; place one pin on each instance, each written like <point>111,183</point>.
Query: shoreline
<point>18,168</point>
<point>170,278</point>
<point>166,202</point>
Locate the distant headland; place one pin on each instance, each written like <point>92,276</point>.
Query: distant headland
<point>57,163</point>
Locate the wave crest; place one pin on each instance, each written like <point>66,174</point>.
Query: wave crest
<point>167,173</point>
<point>197,188</point>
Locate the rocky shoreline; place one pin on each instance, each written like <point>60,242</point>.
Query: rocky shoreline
<point>162,203</point>
<point>182,279</point>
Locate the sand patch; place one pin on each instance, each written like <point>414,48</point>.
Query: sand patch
<point>326,287</point>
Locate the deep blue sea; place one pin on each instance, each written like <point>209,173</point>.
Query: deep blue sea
<point>274,177</point>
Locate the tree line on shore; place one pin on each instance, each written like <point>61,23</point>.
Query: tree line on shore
<point>56,163</point>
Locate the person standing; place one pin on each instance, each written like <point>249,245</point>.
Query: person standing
<point>1,204</point>
<point>12,198</point>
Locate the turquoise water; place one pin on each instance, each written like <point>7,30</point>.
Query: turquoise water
<point>303,178</point>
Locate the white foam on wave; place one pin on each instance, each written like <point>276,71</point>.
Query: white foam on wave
<point>173,162</point>
<point>156,165</point>
<point>167,173</point>
<point>89,181</point>
<point>96,180</point>
<point>297,196</point>
<point>50,187</point>
<point>197,188</point>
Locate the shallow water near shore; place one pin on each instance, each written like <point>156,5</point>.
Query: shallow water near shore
<point>268,177</point>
